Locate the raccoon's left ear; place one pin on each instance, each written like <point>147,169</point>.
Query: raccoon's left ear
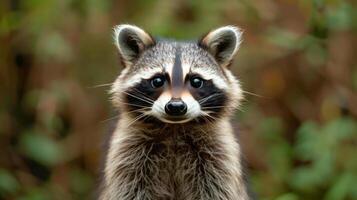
<point>222,43</point>
<point>131,42</point>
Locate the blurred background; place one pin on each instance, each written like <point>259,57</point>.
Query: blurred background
<point>298,64</point>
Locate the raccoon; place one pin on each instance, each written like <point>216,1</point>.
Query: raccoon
<point>173,139</point>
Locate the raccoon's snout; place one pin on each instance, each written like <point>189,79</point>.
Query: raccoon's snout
<point>176,107</point>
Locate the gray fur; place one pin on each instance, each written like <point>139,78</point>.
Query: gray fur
<point>163,161</point>
<point>164,52</point>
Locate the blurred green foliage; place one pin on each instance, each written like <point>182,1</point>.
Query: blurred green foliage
<point>299,134</point>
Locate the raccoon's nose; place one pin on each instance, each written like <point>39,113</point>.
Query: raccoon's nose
<point>176,107</point>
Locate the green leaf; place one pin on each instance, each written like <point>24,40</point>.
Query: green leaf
<point>288,196</point>
<point>81,182</point>
<point>36,194</point>
<point>8,183</point>
<point>303,179</point>
<point>307,138</point>
<point>340,18</point>
<point>280,161</point>
<point>283,38</point>
<point>9,22</point>
<point>271,129</point>
<point>340,129</point>
<point>41,149</point>
<point>315,54</point>
<point>354,78</point>
<point>340,188</point>
<point>53,46</point>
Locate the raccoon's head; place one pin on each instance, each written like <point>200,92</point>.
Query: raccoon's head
<point>176,82</point>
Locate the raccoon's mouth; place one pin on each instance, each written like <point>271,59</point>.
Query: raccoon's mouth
<point>175,120</point>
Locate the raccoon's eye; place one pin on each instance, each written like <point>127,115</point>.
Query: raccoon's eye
<point>196,82</point>
<point>157,82</point>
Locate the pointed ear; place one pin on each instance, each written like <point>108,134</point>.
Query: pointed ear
<point>222,43</point>
<point>131,41</point>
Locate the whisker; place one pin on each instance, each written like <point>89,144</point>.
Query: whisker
<point>117,116</point>
<point>137,118</point>
<point>214,118</point>
<point>138,110</point>
<point>136,105</point>
<point>209,96</point>
<point>144,95</point>
<point>253,94</point>
<point>208,107</point>
<point>109,119</point>
<point>240,109</point>
<point>139,98</point>
<point>201,101</point>
<point>208,120</point>
<point>101,85</point>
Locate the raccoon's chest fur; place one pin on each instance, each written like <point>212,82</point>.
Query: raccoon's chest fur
<point>178,164</point>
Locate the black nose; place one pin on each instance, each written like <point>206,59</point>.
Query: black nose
<point>176,107</point>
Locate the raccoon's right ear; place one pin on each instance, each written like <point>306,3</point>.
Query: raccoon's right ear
<point>131,41</point>
<point>223,43</point>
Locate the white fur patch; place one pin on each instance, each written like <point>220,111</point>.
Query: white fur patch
<point>185,69</point>
<point>158,108</point>
<point>193,107</point>
<point>168,69</point>
<point>133,80</point>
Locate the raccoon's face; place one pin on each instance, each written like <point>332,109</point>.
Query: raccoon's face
<point>176,82</point>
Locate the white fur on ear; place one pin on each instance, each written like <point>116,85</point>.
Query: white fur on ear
<point>223,43</point>
<point>131,41</point>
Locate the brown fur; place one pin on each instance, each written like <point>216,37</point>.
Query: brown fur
<point>176,162</point>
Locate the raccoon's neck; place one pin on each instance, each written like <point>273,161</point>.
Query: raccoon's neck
<point>157,130</point>
<point>170,158</point>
